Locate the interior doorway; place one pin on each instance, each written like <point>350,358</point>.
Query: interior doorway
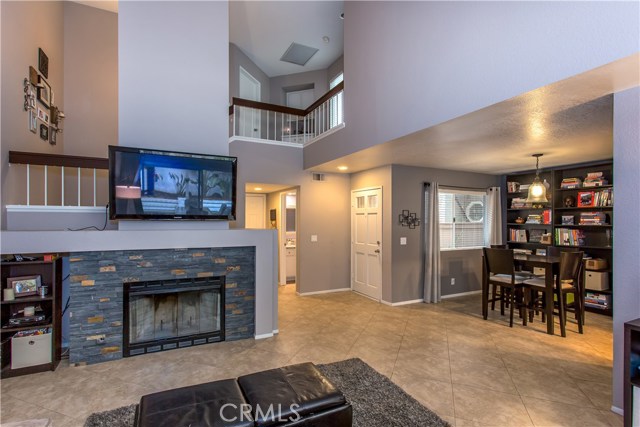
<point>288,233</point>
<point>249,117</point>
<point>366,242</point>
<point>255,211</point>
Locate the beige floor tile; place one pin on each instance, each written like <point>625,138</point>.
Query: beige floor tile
<point>435,395</point>
<point>598,393</point>
<point>479,375</point>
<point>549,387</point>
<point>546,413</point>
<point>489,407</point>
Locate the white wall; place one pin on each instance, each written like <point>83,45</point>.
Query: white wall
<point>411,65</point>
<point>626,232</point>
<point>174,75</point>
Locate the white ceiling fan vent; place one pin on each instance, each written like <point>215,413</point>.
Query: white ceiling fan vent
<point>298,54</point>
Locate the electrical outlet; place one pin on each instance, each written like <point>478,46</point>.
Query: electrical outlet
<point>403,241</point>
<point>453,281</point>
<point>314,237</point>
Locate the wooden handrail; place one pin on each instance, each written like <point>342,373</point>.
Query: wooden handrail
<point>325,97</point>
<point>281,108</point>
<point>20,157</point>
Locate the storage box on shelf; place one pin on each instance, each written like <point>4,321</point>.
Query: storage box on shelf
<point>32,346</point>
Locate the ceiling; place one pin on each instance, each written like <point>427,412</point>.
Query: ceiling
<point>252,187</point>
<point>570,122</point>
<point>264,30</point>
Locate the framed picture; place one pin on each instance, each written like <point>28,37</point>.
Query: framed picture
<point>52,136</point>
<point>44,132</point>
<point>43,63</point>
<point>24,286</point>
<point>33,121</point>
<point>586,198</point>
<point>44,92</point>
<point>567,219</point>
<point>541,252</point>
<point>43,115</point>
<point>535,235</point>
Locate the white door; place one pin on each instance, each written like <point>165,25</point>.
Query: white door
<point>300,99</point>
<point>255,211</point>
<point>366,242</point>
<point>249,118</point>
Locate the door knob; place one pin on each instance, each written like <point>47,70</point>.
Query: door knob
<point>377,251</point>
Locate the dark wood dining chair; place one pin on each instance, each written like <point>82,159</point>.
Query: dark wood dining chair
<point>501,275</point>
<point>568,281</point>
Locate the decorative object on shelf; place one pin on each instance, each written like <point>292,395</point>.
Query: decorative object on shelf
<point>567,219</point>
<point>43,63</point>
<point>537,190</point>
<point>44,92</point>
<point>24,285</point>
<point>545,239</point>
<point>408,219</point>
<point>513,187</point>
<point>569,183</point>
<point>535,235</point>
<point>586,199</point>
<point>8,294</point>
<point>569,201</point>
<point>519,220</point>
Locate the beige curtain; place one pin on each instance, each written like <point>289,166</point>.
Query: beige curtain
<point>493,223</point>
<point>431,277</point>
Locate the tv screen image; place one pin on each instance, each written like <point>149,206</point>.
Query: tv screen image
<point>155,184</point>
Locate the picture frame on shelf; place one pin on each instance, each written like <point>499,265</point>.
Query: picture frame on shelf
<point>535,235</point>
<point>586,199</point>
<point>568,220</point>
<point>545,239</point>
<point>44,92</point>
<point>24,286</point>
<point>541,252</point>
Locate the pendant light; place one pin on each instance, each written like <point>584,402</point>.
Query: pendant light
<point>537,190</point>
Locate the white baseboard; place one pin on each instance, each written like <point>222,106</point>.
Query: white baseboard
<point>276,331</point>
<point>263,336</point>
<point>396,304</point>
<point>304,294</point>
<point>461,294</point>
<point>617,410</point>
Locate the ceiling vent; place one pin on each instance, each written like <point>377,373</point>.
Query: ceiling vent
<point>298,54</point>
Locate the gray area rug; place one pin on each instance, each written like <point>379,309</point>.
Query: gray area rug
<point>376,401</point>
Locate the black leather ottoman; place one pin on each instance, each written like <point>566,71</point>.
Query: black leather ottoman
<point>299,395</point>
<point>195,406</point>
<point>294,396</point>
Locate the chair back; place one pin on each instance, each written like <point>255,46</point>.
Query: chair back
<point>498,261</point>
<point>571,266</point>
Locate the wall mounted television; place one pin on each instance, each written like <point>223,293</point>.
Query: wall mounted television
<point>155,184</point>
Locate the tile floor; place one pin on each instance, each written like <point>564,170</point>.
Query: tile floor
<point>470,371</point>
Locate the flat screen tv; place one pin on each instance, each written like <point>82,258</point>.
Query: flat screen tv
<point>155,184</point>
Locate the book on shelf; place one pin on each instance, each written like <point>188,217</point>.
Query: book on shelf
<point>518,251</point>
<point>546,216</point>
<point>569,237</point>
<point>595,179</point>
<point>513,187</point>
<point>534,219</point>
<point>569,183</point>
<point>592,218</point>
<point>603,197</point>
<point>519,203</point>
<point>597,300</point>
<point>517,235</point>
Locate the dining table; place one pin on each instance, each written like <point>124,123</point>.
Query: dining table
<point>551,266</point>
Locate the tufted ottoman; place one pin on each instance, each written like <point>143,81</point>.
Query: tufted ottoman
<point>296,395</point>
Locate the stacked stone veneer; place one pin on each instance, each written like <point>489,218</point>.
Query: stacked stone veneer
<point>96,291</point>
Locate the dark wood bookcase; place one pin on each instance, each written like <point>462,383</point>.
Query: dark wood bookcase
<point>596,240</point>
<point>51,305</point>
<point>631,367</point>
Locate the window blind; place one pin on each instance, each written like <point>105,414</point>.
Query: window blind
<point>462,219</point>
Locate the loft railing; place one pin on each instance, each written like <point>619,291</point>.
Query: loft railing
<point>260,120</point>
<point>56,173</point>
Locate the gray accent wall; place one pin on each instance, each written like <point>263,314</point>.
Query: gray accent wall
<point>174,75</point>
<point>280,85</point>
<point>323,210</point>
<point>408,194</point>
<point>91,81</point>
<point>418,64</point>
<point>626,231</point>
<point>336,68</point>
<point>237,59</point>
<point>25,27</point>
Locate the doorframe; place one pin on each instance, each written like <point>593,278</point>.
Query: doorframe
<point>282,236</point>
<point>256,122</point>
<point>351,246</point>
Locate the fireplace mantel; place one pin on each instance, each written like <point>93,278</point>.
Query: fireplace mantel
<point>265,242</point>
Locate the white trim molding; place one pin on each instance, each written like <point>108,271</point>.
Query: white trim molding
<point>263,141</point>
<point>461,294</point>
<point>328,291</point>
<point>617,410</point>
<point>263,336</point>
<point>53,209</point>
<point>396,304</point>
<point>334,129</point>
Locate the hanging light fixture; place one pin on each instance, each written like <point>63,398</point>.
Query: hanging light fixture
<point>537,190</point>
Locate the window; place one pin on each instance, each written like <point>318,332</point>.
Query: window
<point>462,218</point>
<point>335,108</point>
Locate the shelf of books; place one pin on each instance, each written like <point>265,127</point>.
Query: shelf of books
<point>578,216</point>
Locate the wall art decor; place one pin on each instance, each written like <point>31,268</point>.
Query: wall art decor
<point>43,63</point>
<point>33,121</point>
<point>43,115</point>
<point>44,132</point>
<point>52,135</point>
<point>44,92</point>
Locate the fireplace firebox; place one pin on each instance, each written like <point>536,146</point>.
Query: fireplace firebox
<point>167,314</point>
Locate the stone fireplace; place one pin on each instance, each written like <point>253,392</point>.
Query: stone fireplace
<point>99,331</point>
<point>166,314</point>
